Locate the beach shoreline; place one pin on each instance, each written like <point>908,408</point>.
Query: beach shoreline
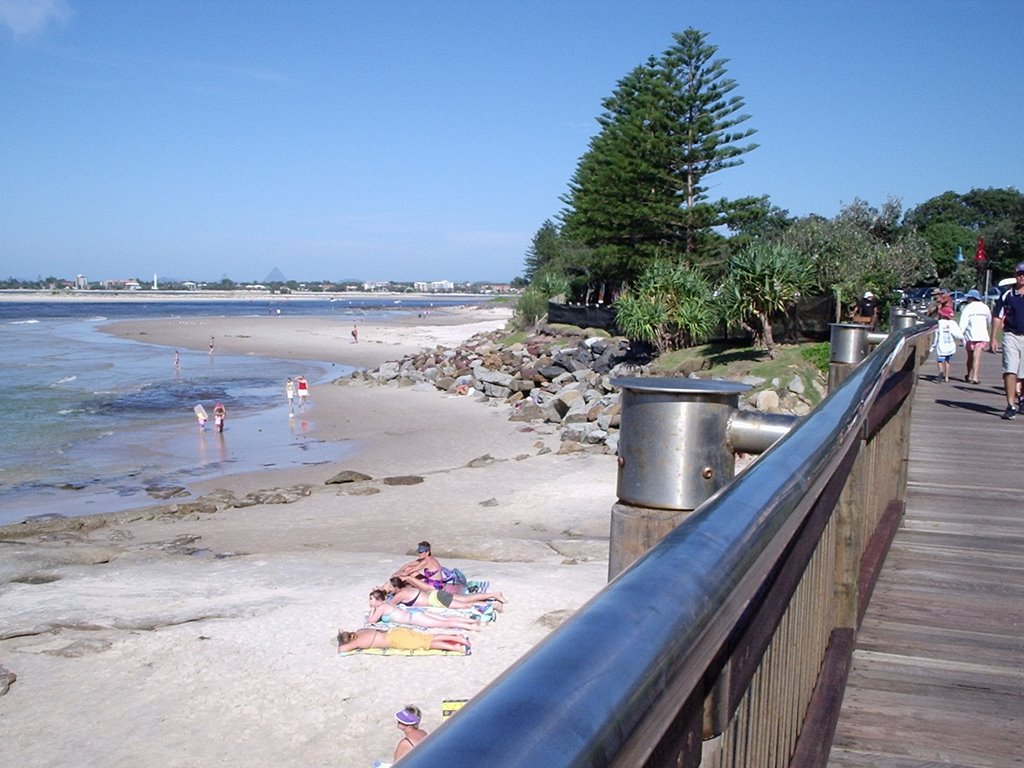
<point>263,297</point>
<point>211,633</point>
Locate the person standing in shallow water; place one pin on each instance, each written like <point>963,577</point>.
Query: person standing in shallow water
<point>211,345</point>
<point>289,391</point>
<point>220,413</point>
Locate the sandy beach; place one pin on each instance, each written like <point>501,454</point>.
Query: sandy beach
<point>208,639</point>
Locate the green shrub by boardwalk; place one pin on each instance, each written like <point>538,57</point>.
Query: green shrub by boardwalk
<point>729,361</point>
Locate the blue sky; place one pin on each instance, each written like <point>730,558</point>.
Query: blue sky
<point>428,140</point>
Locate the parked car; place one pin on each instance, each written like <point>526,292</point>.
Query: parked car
<point>993,294</point>
<point>917,299</point>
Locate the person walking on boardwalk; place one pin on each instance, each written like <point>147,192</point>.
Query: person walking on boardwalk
<point>975,321</point>
<point>944,344</point>
<point>1008,317</point>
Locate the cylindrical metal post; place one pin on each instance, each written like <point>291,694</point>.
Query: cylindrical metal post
<point>848,346</point>
<point>673,455</point>
<point>900,319</point>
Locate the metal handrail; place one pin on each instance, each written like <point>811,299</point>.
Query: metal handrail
<point>605,686</point>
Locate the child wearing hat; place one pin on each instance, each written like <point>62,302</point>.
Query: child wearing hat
<point>944,343</point>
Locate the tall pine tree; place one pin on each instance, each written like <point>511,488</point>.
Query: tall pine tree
<point>640,190</point>
<point>544,251</point>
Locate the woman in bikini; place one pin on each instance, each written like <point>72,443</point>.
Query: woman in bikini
<point>383,611</point>
<point>409,724</point>
<point>425,564</point>
<point>411,593</point>
<point>399,639</point>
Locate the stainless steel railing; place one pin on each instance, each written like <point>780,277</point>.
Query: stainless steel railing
<point>722,645</point>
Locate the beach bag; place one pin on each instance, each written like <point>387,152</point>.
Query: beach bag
<point>454,581</point>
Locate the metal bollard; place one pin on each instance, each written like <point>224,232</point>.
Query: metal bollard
<point>900,319</point>
<point>848,345</point>
<point>677,446</point>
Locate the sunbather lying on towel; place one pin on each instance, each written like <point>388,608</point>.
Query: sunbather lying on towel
<point>400,639</point>
<point>383,611</point>
<point>415,593</point>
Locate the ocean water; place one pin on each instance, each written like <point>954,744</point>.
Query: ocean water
<point>90,422</point>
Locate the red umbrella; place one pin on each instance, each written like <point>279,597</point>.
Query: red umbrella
<point>980,255</point>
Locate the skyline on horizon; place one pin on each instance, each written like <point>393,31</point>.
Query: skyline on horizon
<point>393,140</point>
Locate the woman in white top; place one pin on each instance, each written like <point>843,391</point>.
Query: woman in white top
<point>975,321</point>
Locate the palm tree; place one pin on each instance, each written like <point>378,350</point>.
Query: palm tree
<point>763,281</point>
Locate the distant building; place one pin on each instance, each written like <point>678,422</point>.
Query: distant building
<point>81,283</point>
<point>436,286</point>
<point>495,288</point>
<point>121,285</point>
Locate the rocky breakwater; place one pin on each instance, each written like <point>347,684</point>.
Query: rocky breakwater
<point>559,379</point>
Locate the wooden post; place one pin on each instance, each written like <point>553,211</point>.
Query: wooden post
<point>635,530</point>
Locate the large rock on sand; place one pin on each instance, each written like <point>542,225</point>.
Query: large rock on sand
<point>348,476</point>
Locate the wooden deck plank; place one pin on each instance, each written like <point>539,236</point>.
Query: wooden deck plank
<point>937,677</point>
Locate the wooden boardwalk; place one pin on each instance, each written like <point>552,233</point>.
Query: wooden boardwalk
<point>937,678</point>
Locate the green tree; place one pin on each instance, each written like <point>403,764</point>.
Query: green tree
<point>669,306</point>
<point>640,192</point>
<point>763,282</point>
<point>545,250</point>
<point>533,303</point>
<point>859,250</point>
<point>710,121</point>
<point>997,215</point>
<point>946,239</point>
<point>758,221</point>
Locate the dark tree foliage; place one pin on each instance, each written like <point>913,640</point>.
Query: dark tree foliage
<point>997,215</point>
<point>544,252</point>
<point>641,190</point>
<point>758,221</point>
